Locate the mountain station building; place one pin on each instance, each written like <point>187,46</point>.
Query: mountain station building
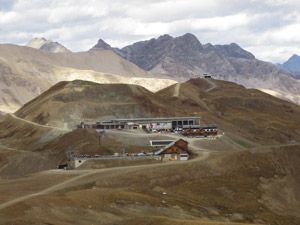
<point>154,124</point>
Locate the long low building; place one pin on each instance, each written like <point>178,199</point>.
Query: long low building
<point>166,123</point>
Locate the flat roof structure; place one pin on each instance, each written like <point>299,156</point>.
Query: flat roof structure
<point>159,119</point>
<point>160,142</point>
<point>160,123</point>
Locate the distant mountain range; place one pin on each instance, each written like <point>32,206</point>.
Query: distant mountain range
<point>26,72</point>
<point>47,45</point>
<point>184,57</point>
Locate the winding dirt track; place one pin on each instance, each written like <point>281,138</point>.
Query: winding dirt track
<point>212,84</point>
<point>79,179</point>
<point>36,124</point>
<point>86,173</point>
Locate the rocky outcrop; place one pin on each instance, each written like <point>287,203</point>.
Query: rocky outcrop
<point>101,45</point>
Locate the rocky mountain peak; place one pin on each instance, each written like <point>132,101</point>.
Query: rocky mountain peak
<point>292,65</point>
<point>47,45</point>
<point>188,43</point>
<point>294,59</point>
<point>188,37</point>
<point>101,45</point>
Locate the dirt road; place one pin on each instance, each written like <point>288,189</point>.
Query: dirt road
<point>36,124</point>
<point>10,149</point>
<point>212,84</point>
<point>88,173</point>
<point>176,90</point>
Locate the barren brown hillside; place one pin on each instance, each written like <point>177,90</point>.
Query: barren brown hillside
<point>73,102</point>
<point>249,175</point>
<point>27,148</point>
<point>253,187</point>
<point>249,118</point>
<point>250,113</point>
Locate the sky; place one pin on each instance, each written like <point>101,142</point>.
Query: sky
<point>270,29</point>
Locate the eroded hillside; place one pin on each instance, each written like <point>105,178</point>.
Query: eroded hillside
<point>78,101</point>
<point>250,113</point>
<point>26,72</point>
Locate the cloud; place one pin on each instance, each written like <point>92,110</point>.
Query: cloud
<point>266,27</point>
<point>6,5</point>
<point>8,18</point>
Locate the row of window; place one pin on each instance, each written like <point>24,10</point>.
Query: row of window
<point>210,129</point>
<point>185,122</point>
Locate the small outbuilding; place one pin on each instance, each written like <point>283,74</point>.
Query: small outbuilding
<point>177,150</point>
<point>207,76</point>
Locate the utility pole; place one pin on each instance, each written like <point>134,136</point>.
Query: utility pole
<point>70,160</point>
<point>123,149</point>
<point>99,143</point>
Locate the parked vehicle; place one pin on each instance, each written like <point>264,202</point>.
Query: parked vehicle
<point>203,131</point>
<point>62,167</point>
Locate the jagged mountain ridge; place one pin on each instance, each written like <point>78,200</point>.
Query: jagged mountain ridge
<point>184,57</point>
<point>183,50</point>
<point>47,45</point>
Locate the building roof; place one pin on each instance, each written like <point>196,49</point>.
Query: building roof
<point>156,119</point>
<point>168,146</point>
<point>161,142</point>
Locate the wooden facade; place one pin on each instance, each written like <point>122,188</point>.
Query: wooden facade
<point>177,150</point>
